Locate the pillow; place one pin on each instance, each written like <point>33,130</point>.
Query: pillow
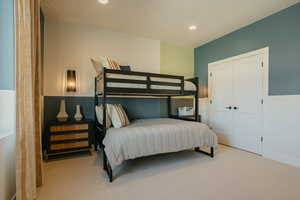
<point>116,65</point>
<point>99,65</point>
<point>104,62</point>
<point>123,113</point>
<point>118,116</point>
<point>99,114</point>
<point>125,68</point>
<point>109,61</point>
<point>113,64</point>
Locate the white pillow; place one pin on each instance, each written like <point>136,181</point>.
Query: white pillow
<point>99,65</point>
<point>118,116</point>
<point>99,114</point>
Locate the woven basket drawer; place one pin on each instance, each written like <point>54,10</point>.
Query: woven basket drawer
<point>70,136</point>
<point>71,127</point>
<point>69,145</point>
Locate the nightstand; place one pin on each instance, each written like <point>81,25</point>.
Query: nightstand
<point>68,138</point>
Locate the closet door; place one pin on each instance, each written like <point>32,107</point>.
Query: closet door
<point>220,109</point>
<point>235,109</point>
<point>247,103</point>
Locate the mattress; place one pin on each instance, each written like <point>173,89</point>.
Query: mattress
<point>155,136</point>
<point>188,86</point>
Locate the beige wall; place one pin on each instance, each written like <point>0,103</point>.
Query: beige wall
<point>7,167</point>
<point>177,60</point>
<point>69,46</point>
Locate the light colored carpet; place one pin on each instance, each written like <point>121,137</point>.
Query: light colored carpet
<point>231,175</point>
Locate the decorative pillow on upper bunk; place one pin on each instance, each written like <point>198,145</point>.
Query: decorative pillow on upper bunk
<point>99,114</point>
<point>104,62</point>
<point>113,64</point>
<point>99,65</point>
<point>118,116</point>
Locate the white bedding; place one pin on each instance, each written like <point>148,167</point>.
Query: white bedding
<point>155,136</point>
<point>188,86</point>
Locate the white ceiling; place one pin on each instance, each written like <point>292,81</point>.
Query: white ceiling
<point>166,20</point>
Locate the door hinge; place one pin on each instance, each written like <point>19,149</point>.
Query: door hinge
<point>262,64</point>
<point>210,74</point>
<point>261,139</point>
<point>262,101</point>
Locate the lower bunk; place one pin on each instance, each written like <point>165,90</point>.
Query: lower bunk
<point>147,137</point>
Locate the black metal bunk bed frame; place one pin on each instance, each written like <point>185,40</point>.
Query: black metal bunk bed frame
<point>147,91</point>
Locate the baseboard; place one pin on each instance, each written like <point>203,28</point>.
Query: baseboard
<point>283,158</point>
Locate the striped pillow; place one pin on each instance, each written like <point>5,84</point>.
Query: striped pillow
<point>124,116</point>
<point>113,64</point>
<point>118,116</point>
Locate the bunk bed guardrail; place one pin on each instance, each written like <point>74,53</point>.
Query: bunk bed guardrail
<point>146,80</point>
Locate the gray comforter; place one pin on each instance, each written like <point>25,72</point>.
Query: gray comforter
<point>154,136</point>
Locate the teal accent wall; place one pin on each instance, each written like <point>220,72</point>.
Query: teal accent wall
<point>136,108</point>
<point>280,32</point>
<point>7,70</point>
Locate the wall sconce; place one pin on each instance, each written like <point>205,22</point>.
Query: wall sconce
<point>71,81</point>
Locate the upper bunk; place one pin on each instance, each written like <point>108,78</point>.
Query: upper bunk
<point>133,83</point>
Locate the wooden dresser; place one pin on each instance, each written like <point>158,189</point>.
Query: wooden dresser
<point>70,137</point>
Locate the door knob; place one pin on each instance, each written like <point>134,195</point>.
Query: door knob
<point>235,108</point>
<point>229,107</point>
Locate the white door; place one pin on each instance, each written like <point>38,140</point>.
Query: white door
<point>247,103</point>
<point>235,112</point>
<point>220,111</point>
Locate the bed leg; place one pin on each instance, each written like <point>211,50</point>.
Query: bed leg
<point>211,153</point>
<point>107,167</point>
<point>104,160</point>
<point>109,172</point>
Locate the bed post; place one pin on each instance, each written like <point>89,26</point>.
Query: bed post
<point>197,100</point>
<point>106,165</point>
<point>169,107</point>
<point>104,112</point>
<point>96,103</point>
<point>196,107</point>
<point>104,119</point>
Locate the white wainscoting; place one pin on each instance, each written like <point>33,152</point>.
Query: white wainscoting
<point>281,127</point>
<point>7,113</point>
<point>7,144</point>
<point>203,109</point>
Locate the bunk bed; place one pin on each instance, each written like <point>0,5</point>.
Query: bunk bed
<point>131,83</point>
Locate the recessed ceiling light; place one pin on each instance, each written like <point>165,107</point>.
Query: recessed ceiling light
<point>193,27</point>
<point>103,1</point>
